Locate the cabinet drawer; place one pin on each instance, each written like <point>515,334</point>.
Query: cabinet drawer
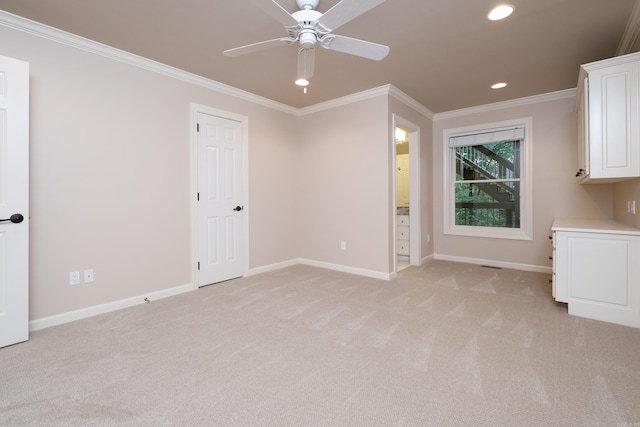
<point>402,247</point>
<point>402,232</point>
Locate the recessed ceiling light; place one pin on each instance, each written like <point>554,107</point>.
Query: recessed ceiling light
<point>498,85</point>
<point>302,82</point>
<point>500,12</point>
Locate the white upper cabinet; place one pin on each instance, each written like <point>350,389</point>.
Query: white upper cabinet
<point>609,120</point>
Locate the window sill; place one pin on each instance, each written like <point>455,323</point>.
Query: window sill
<point>489,232</point>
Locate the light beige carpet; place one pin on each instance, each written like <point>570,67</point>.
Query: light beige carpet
<point>446,344</point>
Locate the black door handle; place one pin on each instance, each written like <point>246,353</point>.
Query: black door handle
<point>15,218</point>
<point>238,208</point>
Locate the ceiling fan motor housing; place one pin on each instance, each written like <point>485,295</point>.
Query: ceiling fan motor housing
<point>307,20</point>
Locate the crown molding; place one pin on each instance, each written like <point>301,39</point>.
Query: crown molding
<point>37,29</point>
<point>388,89</point>
<point>53,34</point>
<point>344,100</point>
<point>546,97</point>
<point>631,32</point>
<point>410,102</point>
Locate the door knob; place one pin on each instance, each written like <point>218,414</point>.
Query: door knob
<point>15,218</point>
<point>238,208</point>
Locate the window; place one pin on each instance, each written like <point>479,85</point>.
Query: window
<point>488,180</point>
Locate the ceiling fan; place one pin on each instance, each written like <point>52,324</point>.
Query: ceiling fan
<point>310,27</point>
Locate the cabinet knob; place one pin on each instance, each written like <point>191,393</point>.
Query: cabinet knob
<point>550,257</point>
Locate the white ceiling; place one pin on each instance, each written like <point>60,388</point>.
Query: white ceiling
<point>444,53</point>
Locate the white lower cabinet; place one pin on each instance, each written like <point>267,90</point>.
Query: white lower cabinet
<point>402,235</point>
<point>597,269</point>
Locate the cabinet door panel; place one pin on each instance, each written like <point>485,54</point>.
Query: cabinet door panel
<point>597,275</point>
<point>598,269</point>
<point>613,137</point>
<point>616,151</point>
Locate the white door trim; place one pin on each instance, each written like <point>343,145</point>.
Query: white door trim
<point>193,122</point>
<point>415,200</point>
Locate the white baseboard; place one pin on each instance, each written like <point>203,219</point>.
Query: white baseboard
<point>345,269</point>
<point>59,319</point>
<point>326,265</point>
<point>426,259</point>
<point>272,267</point>
<point>492,263</point>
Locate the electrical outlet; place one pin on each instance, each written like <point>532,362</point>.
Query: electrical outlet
<point>88,276</point>
<point>74,278</point>
<point>343,246</point>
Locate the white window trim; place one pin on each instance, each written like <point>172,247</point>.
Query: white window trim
<point>525,232</point>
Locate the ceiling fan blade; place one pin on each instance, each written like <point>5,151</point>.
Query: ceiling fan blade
<point>277,12</point>
<point>255,47</point>
<point>344,12</point>
<point>356,47</point>
<point>306,62</point>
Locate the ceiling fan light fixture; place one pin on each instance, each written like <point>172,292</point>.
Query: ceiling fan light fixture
<point>302,82</point>
<point>498,85</point>
<point>307,39</point>
<point>500,12</point>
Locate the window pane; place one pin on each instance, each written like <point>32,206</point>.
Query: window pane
<point>488,204</point>
<point>500,160</point>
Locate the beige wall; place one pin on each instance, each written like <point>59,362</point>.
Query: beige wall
<point>555,191</point>
<point>625,191</point>
<point>343,185</point>
<point>110,176</point>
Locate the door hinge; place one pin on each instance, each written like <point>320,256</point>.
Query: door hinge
<point>198,196</point>
<point>197,127</point>
<point>198,265</point>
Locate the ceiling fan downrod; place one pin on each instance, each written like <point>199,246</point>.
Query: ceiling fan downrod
<point>307,4</point>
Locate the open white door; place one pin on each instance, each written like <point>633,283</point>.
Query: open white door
<point>220,199</point>
<point>14,201</point>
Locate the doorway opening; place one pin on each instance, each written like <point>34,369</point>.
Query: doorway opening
<point>406,143</point>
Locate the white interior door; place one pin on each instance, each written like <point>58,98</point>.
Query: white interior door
<point>14,201</point>
<point>220,199</point>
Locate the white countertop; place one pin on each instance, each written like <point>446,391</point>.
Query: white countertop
<point>608,226</point>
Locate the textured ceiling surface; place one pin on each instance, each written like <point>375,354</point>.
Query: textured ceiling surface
<point>444,53</point>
